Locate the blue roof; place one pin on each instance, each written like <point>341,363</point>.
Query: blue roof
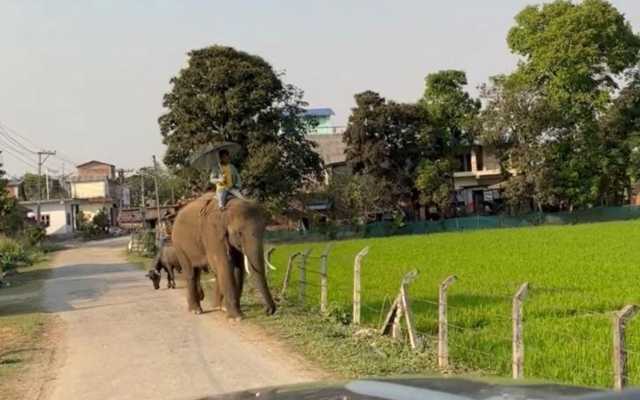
<point>318,112</point>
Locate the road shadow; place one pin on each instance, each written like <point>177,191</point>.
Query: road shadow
<point>55,290</point>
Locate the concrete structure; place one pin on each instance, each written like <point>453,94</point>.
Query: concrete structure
<point>320,118</point>
<point>95,182</point>
<point>15,188</point>
<point>478,183</point>
<point>57,216</point>
<point>331,148</point>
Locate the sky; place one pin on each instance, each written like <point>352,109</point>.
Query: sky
<point>86,78</point>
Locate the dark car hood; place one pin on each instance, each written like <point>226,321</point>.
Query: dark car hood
<point>424,389</point>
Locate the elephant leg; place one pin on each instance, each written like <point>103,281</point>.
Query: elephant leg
<point>217,296</point>
<point>237,261</point>
<point>226,282</point>
<point>172,277</point>
<point>193,278</point>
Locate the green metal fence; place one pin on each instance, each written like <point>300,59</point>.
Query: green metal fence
<point>381,229</point>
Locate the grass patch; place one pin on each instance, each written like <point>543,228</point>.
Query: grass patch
<point>578,275</point>
<point>140,261</point>
<point>19,341</point>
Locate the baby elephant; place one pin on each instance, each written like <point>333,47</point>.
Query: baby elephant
<point>165,259</point>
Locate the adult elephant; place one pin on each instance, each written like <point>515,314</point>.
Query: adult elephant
<point>203,235</point>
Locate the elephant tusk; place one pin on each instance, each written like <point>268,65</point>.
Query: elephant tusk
<point>246,266</point>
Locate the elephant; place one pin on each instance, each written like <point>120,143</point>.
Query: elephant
<point>203,235</point>
<point>167,260</point>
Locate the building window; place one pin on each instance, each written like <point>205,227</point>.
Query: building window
<point>465,162</point>
<point>479,159</point>
<point>45,220</point>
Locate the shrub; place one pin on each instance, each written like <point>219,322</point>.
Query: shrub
<point>12,253</point>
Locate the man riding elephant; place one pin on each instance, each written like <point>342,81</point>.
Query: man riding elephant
<point>205,235</point>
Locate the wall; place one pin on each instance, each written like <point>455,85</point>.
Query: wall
<point>88,190</point>
<point>57,217</point>
<point>97,169</point>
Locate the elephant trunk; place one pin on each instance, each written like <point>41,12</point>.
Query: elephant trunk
<point>255,254</point>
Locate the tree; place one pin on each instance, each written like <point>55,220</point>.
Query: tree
<point>228,95</point>
<point>359,196</point>
<point>451,112</point>
<point>382,140</point>
<point>544,117</point>
<point>30,184</point>
<point>170,186</point>
<point>434,181</point>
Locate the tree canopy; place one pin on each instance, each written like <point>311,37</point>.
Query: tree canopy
<point>228,95</point>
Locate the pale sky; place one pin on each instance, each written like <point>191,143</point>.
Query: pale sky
<point>86,78</point>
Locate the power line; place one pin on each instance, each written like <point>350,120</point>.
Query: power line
<point>11,133</point>
<point>15,141</point>
<point>22,160</point>
<point>17,150</point>
<point>6,128</point>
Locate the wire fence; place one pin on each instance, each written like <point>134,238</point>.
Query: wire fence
<point>475,222</point>
<point>578,347</point>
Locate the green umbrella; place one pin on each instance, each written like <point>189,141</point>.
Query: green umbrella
<point>207,157</point>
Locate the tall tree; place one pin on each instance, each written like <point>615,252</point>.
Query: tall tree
<point>228,95</point>
<point>544,116</point>
<point>451,113</point>
<point>382,140</point>
<point>11,219</point>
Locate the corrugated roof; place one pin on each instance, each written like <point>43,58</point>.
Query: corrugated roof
<point>318,112</point>
<point>94,162</point>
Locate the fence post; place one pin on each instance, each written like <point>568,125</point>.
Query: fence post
<point>518,341</point>
<point>401,307</point>
<point>287,274</point>
<point>357,267</point>
<point>303,276</point>
<point>443,332</point>
<point>620,319</point>
<point>324,290</point>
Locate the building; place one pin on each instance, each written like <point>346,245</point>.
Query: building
<point>15,188</point>
<point>320,121</point>
<point>57,216</point>
<point>96,184</point>
<point>478,182</point>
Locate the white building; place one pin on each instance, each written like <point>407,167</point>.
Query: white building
<point>57,216</point>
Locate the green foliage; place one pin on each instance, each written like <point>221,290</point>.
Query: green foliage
<point>229,95</point>
<point>12,254</point>
<point>382,140</point>
<point>30,185</point>
<point>578,275</point>
<point>171,187</point>
<point>545,118</point>
<point>356,198</point>
<point>435,182</point>
<point>101,220</point>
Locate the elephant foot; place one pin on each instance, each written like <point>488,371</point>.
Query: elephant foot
<point>197,311</point>
<point>220,308</point>
<point>235,319</point>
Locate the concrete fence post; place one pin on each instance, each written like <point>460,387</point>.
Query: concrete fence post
<point>357,291</point>
<point>324,290</point>
<point>517,362</point>
<point>287,274</point>
<point>401,308</point>
<point>303,276</point>
<point>620,366</point>
<point>443,331</point>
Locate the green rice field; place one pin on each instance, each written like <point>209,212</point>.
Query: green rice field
<point>578,275</point>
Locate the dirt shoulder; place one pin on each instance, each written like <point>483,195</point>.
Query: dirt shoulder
<point>29,336</point>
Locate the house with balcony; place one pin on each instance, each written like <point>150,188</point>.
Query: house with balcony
<point>97,187</point>
<point>478,183</point>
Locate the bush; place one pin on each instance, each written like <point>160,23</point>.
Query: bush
<point>32,234</point>
<point>12,253</point>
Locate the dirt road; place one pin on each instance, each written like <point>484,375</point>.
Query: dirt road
<point>123,340</point>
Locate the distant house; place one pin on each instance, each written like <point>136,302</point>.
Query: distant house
<point>95,183</point>
<point>15,189</point>
<point>320,120</point>
<point>478,182</point>
<point>57,216</point>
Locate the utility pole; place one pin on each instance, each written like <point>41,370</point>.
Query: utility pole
<point>155,182</point>
<point>142,205</point>
<point>41,161</point>
<point>46,182</point>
